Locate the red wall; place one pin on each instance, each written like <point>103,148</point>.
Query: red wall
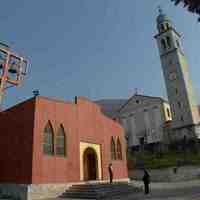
<point>51,169</point>
<point>16,142</point>
<point>94,127</point>
<point>82,122</point>
<point>21,152</point>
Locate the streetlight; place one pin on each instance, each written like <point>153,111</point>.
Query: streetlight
<point>12,69</point>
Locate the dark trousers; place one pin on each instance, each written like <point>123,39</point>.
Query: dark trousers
<point>111,177</point>
<point>146,188</point>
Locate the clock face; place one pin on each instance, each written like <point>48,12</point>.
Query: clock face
<point>172,76</point>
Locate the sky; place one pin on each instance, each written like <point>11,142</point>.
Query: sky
<point>94,48</point>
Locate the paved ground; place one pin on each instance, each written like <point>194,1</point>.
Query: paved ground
<point>191,193</point>
<point>169,194</point>
<point>189,190</point>
<point>169,185</point>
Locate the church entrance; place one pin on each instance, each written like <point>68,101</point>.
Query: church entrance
<point>90,164</point>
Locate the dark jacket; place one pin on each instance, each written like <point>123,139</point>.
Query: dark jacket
<point>110,170</point>
<point>146,178</point>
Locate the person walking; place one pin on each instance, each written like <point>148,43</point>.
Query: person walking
<point>110,170</point>
<point>146,180</point>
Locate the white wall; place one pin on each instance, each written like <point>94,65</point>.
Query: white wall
<point>144,120</point>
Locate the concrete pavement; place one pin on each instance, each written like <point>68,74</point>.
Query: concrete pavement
<point>187,190</point>
<point>168,185</point>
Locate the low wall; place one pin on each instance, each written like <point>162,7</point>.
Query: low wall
<point>183,173</point>
<point>29,192</point>
<point>19,191</point>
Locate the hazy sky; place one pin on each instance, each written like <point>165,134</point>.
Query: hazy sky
<point>93,48</point>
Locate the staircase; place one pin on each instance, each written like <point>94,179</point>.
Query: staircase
<point>99,191</point>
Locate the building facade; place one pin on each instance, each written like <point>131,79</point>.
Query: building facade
<point>178,83</point>
<point>49,144</point>
<point>143,119</point>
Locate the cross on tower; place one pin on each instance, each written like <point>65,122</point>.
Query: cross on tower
<point>160,10</point>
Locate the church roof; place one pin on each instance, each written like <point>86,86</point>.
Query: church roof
<point>161,18</point>
<point>110,106</point>
<point>137,95</point>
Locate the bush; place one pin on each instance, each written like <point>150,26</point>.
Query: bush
<point>166,160</point>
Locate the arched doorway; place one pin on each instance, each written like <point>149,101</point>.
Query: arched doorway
<point>90,164</point>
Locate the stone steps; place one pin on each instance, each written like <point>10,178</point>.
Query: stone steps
<point>41,195</point>
<point>4,196</point>
<point>99,191</point>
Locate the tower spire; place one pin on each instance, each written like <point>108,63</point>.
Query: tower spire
<point>177,79</point>
<point>160,10</point>
<point>163,21</point>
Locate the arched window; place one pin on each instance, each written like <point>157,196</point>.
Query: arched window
<point>179,104</point>
<point>119,149</point>
<point>182,118</point>
<point>168,112</point>
<point>163,44</point>
<point>48,144</point>
<point>167,25</point>
<point>60,142</point>
<point>162,27</point>
<point>176,90</point>
<point>177,43</point>
<point>113,149</point>
<point>168,42</point>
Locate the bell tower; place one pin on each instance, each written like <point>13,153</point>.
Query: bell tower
<point>185,116</point>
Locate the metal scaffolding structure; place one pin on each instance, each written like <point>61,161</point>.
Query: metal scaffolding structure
<point>12,69</point>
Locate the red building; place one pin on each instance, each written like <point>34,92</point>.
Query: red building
<point>49,142</point>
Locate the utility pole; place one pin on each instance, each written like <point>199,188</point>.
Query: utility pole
<point>12,69</point>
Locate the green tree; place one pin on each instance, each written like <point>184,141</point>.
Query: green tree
<point>191,5</point>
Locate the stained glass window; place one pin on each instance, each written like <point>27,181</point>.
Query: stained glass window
<point>119,149</point>
<point>48,144</point>
<point>113,149</point>
<point>60,142</point>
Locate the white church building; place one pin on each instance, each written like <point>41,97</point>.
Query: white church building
<point>144,119</point>
<point>149,121</point>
